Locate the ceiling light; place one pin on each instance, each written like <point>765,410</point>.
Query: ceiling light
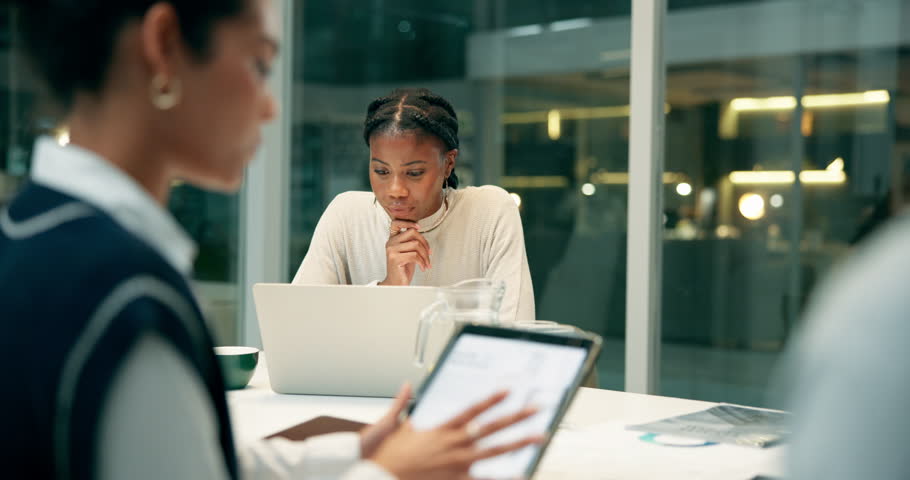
<point>831,100</point>
<point>752,206</point>
<point>836,166</point>
<point>785,177</point>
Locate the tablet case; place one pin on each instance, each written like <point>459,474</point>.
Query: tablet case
<point>319,426</point>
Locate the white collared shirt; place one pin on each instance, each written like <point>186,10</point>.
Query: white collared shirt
<point>158,421</point>
<point>84,175</point>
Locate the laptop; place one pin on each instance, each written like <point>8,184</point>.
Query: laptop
<point>538,369</point>
<point>340,339</point>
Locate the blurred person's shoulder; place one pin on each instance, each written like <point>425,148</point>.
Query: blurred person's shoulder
<point>83,246</point>
<point>866,296</point>
<point>846,381</point>
<point>878,267</point>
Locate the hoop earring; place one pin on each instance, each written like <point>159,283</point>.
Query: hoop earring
<point>164,97</point>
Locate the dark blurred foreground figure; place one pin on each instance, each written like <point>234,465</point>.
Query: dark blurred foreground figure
<point>113,373</point>
<point>847,369</point>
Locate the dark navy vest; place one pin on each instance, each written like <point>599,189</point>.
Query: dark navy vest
<point>76,293</point>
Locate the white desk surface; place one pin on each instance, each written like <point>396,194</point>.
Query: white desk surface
<point>592,442</point>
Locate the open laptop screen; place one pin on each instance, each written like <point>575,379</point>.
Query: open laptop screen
<point>538,370</point>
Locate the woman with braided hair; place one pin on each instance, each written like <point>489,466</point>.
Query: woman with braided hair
<point>417,227</point>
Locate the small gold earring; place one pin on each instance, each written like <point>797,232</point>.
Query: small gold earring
<point>164,97</point>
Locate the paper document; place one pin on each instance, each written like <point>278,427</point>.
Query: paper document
<point>731,424</point>
<point>609,451</point>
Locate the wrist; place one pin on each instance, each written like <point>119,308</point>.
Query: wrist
<point>363,446</point>
<point>392,282</point>
<point>385,465</point>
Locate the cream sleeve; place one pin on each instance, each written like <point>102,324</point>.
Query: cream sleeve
<point>158,398</point>
<point>508,261</point>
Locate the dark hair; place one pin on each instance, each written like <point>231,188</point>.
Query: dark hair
<point>70,43</point>
<point>414,109</point>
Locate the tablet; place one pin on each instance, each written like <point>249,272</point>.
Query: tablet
<point>540,370</point>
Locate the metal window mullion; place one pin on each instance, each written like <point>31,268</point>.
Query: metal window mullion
<point>645,225</point>
<point>797,147</point>
<point>264,210</point>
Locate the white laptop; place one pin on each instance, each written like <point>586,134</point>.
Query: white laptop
<point>340,339</point>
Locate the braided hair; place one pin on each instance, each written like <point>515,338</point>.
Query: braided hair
<point>414,109</point>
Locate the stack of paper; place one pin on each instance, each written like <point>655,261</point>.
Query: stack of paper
<point>733,424</point>
<point>610,451</point>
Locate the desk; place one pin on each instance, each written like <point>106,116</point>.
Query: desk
<point>591,443</point>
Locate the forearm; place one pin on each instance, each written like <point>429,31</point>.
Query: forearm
<point>326,456</point>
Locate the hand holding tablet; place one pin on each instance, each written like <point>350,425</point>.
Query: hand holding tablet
<point>540,372</point>
<point>450,449</point>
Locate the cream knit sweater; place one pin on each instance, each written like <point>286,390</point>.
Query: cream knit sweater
<point>481,236</point>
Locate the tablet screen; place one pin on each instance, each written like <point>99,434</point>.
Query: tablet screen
<point>477,366</point>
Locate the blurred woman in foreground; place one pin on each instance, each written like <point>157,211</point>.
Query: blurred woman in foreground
<point>117,377</point>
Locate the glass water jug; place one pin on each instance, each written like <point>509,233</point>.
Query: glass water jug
<point>469,301</point>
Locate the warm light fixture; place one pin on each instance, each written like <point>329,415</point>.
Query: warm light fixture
<point>822,176</point>
<point>554,125</point>
<point>684,189</point>
<point>588,189</point>
<point>516,198</point>
<point>752,206</point>
<point>871,97</point>
<point>763,104</point>
<point>762,177</point>
<point>622,178</point>
<point>534,181</point>
<point>836,166</point>
<point>783,177</point>
<point>831,100</point>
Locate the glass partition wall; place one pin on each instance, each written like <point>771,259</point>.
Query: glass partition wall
<point>541,90</point>
<point>785,143</point>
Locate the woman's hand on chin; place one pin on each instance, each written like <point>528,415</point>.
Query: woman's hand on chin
<point>405,251</point>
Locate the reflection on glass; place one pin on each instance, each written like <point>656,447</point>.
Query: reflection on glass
<point>792,143</point>
<point>212,220</point>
